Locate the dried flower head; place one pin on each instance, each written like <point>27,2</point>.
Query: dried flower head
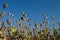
<point>9,14</point>
<point>36,25</point>
<point>23,18</point>
<point>45,17</point>
<point>41,24</point>
<point>3,13</point>
<point>24,14</point>
<point>12,15</point>
<point>9,22</point>
<point>47,22</point>
<point>29,20</point>
<point>53,17</point>
<point>5,5</point>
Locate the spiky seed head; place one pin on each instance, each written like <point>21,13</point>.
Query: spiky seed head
<point>9,14</point>
<point>45,17</point>
<point>53,17</point>
<point>24,14</point>
<point>5,5</point>
<point>29,20</point>
<point>9,22</point>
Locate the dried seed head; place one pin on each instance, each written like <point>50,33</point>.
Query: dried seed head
<point>29,20</point>
<point>3,13</point>
<point>20,21</point>
<point>47,22</point>
<point>23,18</point>
<point>41,24</point>
<point>9,14</point>
<point>5,5</point>
<point>36,25</point>
<point>53,17</point>
<point>24,14</point>
<point>12,15</point>
<point>9,22</point>
<point>45,17</point>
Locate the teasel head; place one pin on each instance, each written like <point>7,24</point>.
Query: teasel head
<point>53,17</point>
<point>36,24</point>
<point>23,18</point>
<point>3,13</point>
<point>12,15</point>
<point>45,17</point>
<point>20,22</point>
<point>24,14</point>
<point>9,22</point>
<point>47,22</point>
<point>29,20</point>
<point>41,24</point>
<point>9,14</point>
<point>5,5</point>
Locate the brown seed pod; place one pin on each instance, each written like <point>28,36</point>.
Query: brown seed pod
<point>20,21</point>
<point>36,25</point>
<point>45,17</point>
<point>47,22</point>
<point>9,14</point>
<point>41,24</point>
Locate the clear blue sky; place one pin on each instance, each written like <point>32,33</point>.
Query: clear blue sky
<point>33,8</point>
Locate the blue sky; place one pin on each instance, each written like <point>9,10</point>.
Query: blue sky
<point>33,8</point>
